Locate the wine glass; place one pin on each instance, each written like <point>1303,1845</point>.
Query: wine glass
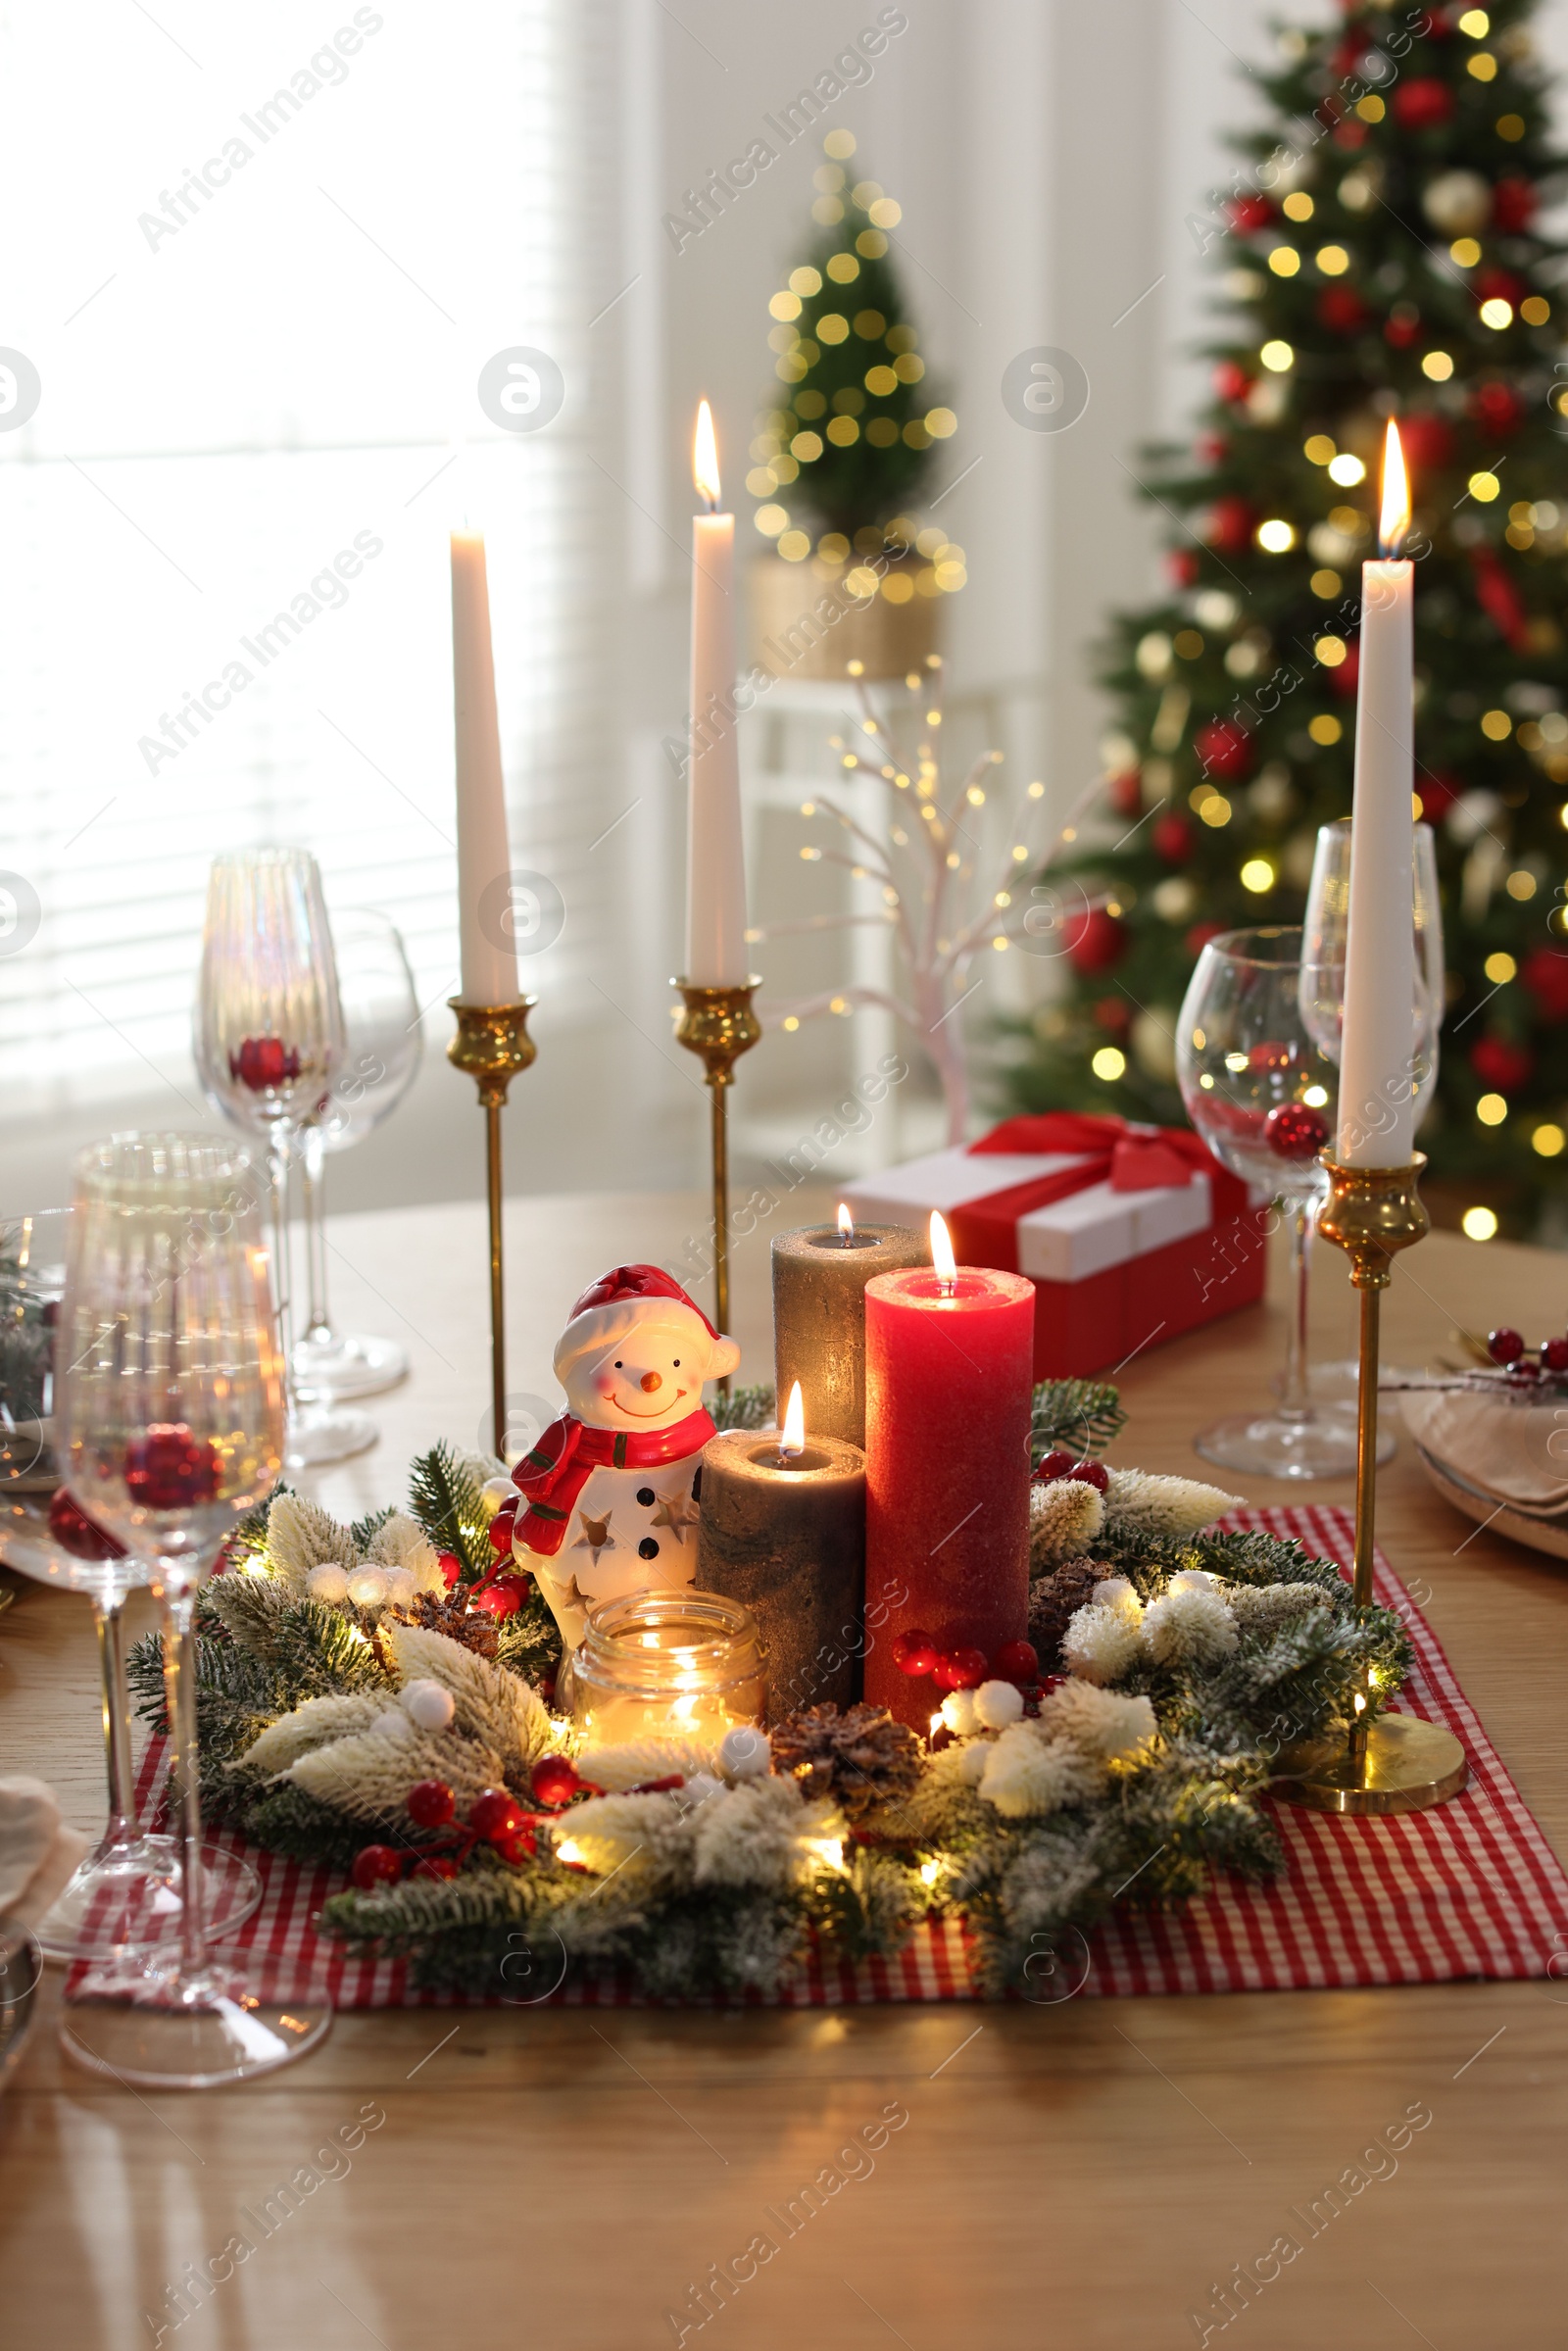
<point>170,1418</point>
<point>31,1275</point>
<point>1259,1089</point>
<point>269,1043</point>
<point>383,1045</point>
<point>1324,925</point>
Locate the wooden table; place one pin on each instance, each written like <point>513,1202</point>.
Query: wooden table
<point>1077,2177</point>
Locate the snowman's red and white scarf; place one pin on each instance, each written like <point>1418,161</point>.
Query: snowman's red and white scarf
<point>550,1479</point>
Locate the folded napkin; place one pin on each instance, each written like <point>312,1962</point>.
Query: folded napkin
<point>37,1853</point>
<point>1512,1447</point>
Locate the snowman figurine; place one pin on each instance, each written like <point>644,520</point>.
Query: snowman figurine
<point>605,1503</point>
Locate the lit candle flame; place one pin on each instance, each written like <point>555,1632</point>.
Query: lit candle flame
<point>705,459</point>
<point>793,1438</point>
<point>942,1257</point>
<point>1394,520</point>
<point>846,1225</point>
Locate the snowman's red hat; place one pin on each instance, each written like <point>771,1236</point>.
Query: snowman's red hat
<point>613,1306</point>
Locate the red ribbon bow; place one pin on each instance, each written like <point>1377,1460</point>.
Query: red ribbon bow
<point>1133,1159</point>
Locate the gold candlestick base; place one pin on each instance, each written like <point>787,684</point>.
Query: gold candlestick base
<point>1397,1763</point>
<point>719,1024</point>
<point>493,1046</point>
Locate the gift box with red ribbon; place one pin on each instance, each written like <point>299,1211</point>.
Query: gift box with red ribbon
<point>1131,1235</point>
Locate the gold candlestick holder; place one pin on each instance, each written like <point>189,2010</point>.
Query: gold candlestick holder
<point>718,1023</point>
<point>493,1045</point>
<point>1397,1763</point>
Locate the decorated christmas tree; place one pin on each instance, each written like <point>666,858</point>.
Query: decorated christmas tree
<point>841,457</point>
<point>1380,254</point>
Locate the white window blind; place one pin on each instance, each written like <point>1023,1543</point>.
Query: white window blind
<point>240,383</point>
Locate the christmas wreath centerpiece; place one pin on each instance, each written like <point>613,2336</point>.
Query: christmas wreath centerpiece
<point>379,1696</point>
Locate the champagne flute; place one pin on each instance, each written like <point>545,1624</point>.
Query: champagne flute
<point>268,1042</point>
<point>170,1418</point>
<point>383,1045</point>
<point>1259,1089</point>
<point>1324,926</point>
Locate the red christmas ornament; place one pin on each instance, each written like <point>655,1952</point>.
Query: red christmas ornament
<point>169,1469</point>
<point>434,1865</point>
<point>263,1063</point>
<point>376,1865</point>
<point>1229,526</point>
<point>1544,972</point>
<point>1555,1354</point>
<point>962,1669</point>
<point>1403,326</point>
<point>1504,1346</point>
<point>1501,1065</point>
<point>1112,1012</point>
<point>1198,937</point>
<point>1225,750</point>
<point>1231,382</point>
<point>1018,1661</point>
<point>77,1532</point>
<point>555,1780</point>
<point>1295,1131</point>
<point>1425,104</point>
<point>1054,1465</point>
<point>430,1804</point>
<point>1438,796</point>
<point>495,1814</point>
<point>1096,941</point>
<point>1428,439</point>
<point>1342,310</point>
<point>1248,214</point>
<point>1172,837</point>
<point>1497,409</point>
<point>1090,1473</point>
<point>1349,136</point>
<point>1183,565</point>
<point>1499,285</point>
<point>1514,204</point>
<point>1125,792</point>
<point>1499,597</point>
<point>1344,680</point>
<point>916,1654</point>
<point>451,1567</point>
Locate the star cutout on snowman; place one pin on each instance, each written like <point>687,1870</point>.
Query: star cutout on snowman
<point>605,1504</point>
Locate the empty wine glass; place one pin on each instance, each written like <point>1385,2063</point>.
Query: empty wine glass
<point>1259,1089</point>
<point>383,1045</point>
<point>1324,926</point>
<point>269,1043</point>
<point>31,1275</point>
<point>171,1417</point>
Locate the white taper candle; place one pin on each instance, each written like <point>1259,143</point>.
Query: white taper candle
<point>715,863</point>
<point>484,854</point>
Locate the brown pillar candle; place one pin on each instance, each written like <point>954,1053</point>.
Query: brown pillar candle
<point>819,1278</point>
<point>785,1534</point>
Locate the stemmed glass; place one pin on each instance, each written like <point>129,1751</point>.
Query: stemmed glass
<point>1324,926</point>
<point>170,1419</point>
<point>383,1045</point>
<point>268,1042</point>
<point>1259,1089</point>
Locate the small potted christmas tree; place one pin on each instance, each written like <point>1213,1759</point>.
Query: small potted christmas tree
<point>838,461</point>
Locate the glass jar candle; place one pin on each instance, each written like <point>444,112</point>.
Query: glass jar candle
<point>667,1664</point>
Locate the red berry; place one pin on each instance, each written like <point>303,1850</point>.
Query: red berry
<point>77,1532</point>
<point>1555,1356</point>
<point>501,1527</point>
<point>962,1669</point>
<point>1504,1346</point>
<point>264,1062</point>
<point>916,1654</point>
<point>1524,1369</point>
<point>434,1865</point>
<point>430,1802</point>
<point>1056,1465</point>
<point>495,1814</point>
<point>521,1846</point>
<point>555,1780</point>
<point>498,1599</point>
<point>1017,1661</point>
<point>1295,1131</point>
<point>166,1468</point>
<point>451,1567</point>
<point>376,1865</point>
<point>1090,1473</point>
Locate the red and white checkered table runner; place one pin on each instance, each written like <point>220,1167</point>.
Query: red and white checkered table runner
<point>1470,1888</point>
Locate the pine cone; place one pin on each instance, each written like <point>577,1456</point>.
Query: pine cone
<point>862,1758</point>
<point>1054,1601</point>
<point>451,1614</point>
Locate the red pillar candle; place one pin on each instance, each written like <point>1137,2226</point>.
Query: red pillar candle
<point>949,1373</point>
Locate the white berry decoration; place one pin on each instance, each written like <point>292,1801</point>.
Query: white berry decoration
<point>367,1587</point>
<point>427,1703</point>
<point>328,1583</point>
<point>997,1705</point>
<point>744,1752</point>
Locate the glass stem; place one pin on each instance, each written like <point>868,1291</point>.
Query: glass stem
<point>278,1215</point>
<point>313,1173</point>
<point>1296,1400</point>
<point>180,1685</point>
<point>109,1617</point>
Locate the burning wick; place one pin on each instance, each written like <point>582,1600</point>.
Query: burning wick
<point>942,1258</point>
<point>792,1437</point>
<point>1394,522</point>
<point>704,460</point>
<point>846,1227</point>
